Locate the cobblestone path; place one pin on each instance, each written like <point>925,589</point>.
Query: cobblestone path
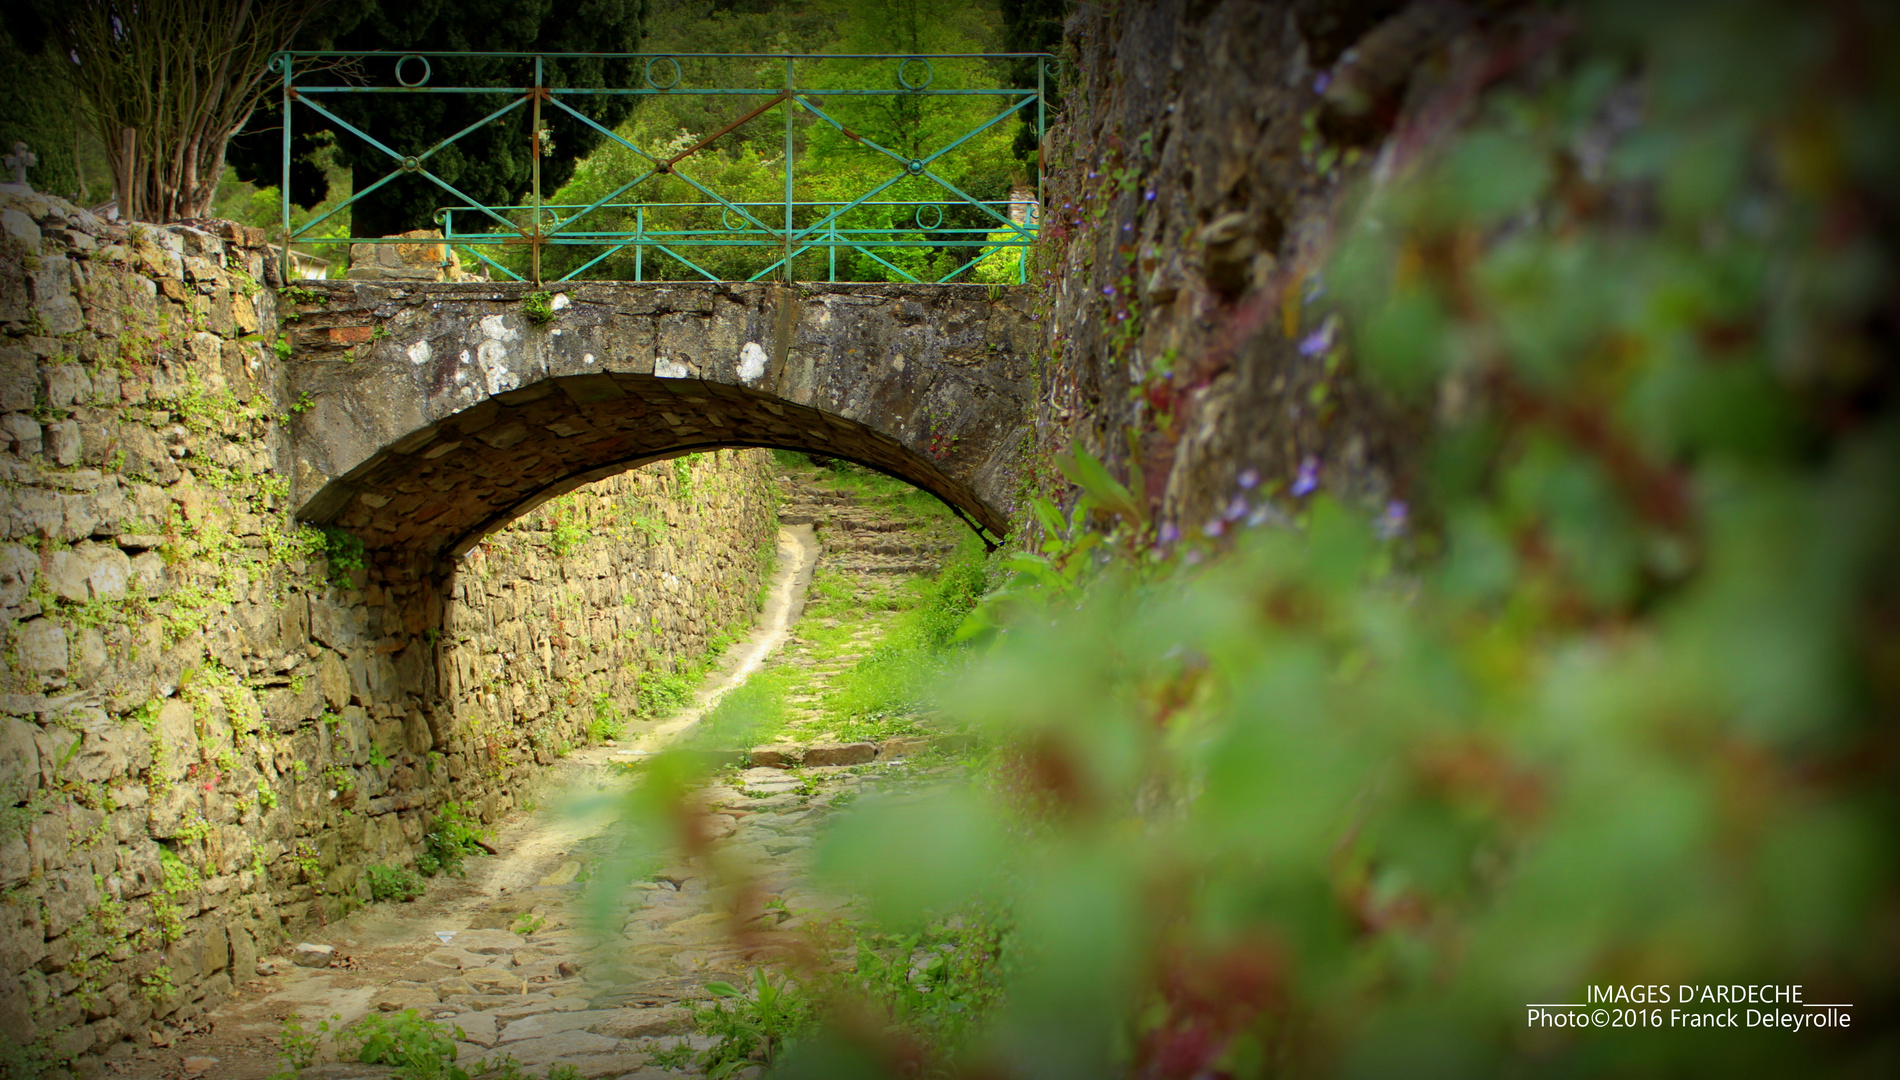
<point>524,958</point>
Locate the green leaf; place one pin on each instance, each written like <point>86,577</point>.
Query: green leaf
<point>1087,472</point>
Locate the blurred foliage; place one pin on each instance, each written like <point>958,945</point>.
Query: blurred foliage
<point>38,107</point>
<point>1611,703</point>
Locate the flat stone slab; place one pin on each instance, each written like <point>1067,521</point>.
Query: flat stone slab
<point>593,1066</point>
<point>478,1027</point>
<point>404,997</point>
<point>487,942</point>
<point>645,1023</point>
<point>454,959</point>
<point>548,1023</point>
<point>841,754</point>
<point>565,1046</point>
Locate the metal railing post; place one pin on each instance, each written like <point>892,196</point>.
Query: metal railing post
<point>534,136</point>
<point>786,270</point>
<point>283,267</point>
<point>639,249</point>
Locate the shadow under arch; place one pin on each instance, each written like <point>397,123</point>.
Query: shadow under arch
<point>437,490</point>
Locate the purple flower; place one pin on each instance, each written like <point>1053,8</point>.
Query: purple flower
<point>1322,81</point>
<point>1068,206</point>
<point>1193,558</point>
<point>1248,479</point>
<point>1236,508</point>
<point>1307,479</point>
<point>1108,290</point>
<point>1093,174</point>
<point>1392,522</point>
<point>1170,533</point>
<point>1214,527</point>
<point>1149,196</point>
<point>1319,341</point>
<point>1121,315</point>
<point>1128,226</point>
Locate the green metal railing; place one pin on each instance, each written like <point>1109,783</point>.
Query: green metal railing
<point>818,226</point>
<point>789,227</point>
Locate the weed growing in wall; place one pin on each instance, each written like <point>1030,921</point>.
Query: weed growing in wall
<point>451,839</point>
<point>538,307</point>
<point>607,722</point>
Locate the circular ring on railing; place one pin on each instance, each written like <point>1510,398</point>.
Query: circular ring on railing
<point>915,167</point>
<point>426,70</point>
<point>725,221</point>
<point>919,216</point>
<point>675,81</point>
<point>412,163</point>
<point>279,63</point>
<point>904,78</point>
<point>442,216</point>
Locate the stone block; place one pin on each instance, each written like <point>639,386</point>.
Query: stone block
<point>18,566</point>
<point>70,894</point>
<point>840,754</point>
<point>22,937</point>
<point>645,1023</point>
<point>333,679</point>
<point>416,732</point>
<point>109,750</point>
<point>20,433</point>
<point>108,571</point>
<point>16,1015</point>
<point>487,942</point>
<point>243,953</point>
<point>398,998</point>
<point>66,385</point>
<point>216,949</point>
<point>21,228</point>
<point>902,747</point>
<point>478,1028</point>
<point>19,379</point>
<point>310,955</point>
<point>177,735</point>
<point>777,757</point>
<point>62,443</point>
<point>19,759</point>
<point>42,647</point>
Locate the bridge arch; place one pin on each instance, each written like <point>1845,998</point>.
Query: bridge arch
<point>427,416</point>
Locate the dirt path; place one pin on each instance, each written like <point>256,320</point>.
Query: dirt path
<point>518,956</point>
<point>393,956</point>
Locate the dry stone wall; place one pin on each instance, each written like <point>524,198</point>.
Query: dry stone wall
<point>1192,184</point>
<point>212,719</point>
<point>564,617</point>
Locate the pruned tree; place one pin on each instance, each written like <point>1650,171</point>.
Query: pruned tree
<point>165,83</point>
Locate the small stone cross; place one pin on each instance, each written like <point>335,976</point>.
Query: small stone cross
<point>20,161</point>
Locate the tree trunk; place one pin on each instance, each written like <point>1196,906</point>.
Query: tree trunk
<point>126,175</point>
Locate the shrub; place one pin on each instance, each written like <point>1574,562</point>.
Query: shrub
<point>393,883</point>
<point>452,839</point>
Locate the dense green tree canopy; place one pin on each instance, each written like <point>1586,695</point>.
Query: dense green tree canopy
<point>747,164</point>
<point>492,164</point>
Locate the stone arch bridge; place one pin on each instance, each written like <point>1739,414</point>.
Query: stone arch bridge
<point>426,415</point>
